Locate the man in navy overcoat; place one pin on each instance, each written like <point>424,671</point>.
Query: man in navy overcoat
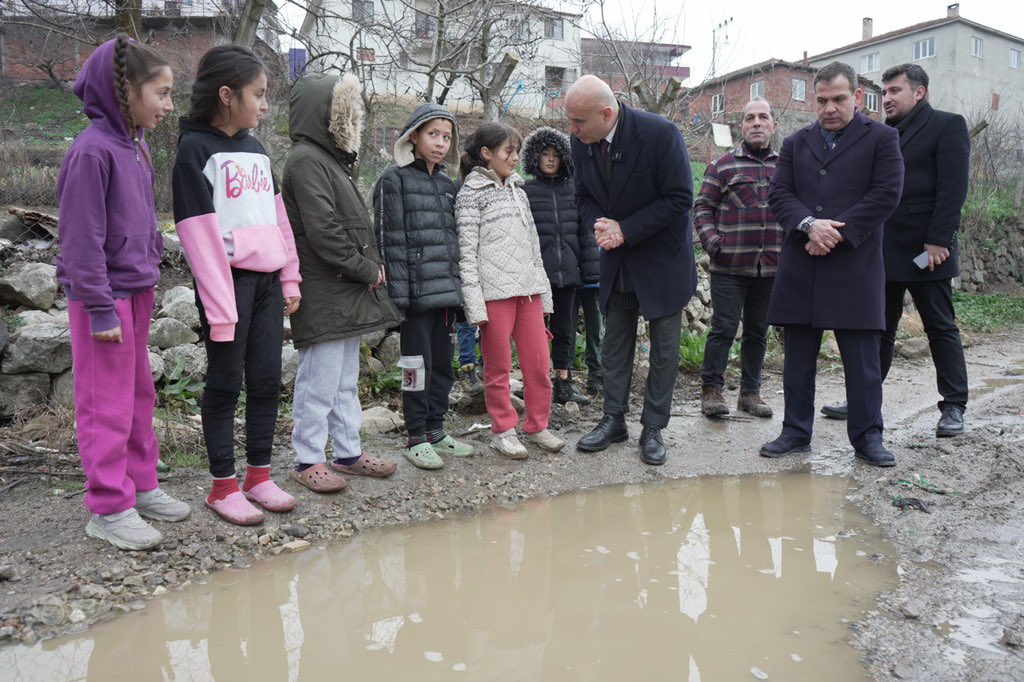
<point>634,188</point>
<point>834,186</point>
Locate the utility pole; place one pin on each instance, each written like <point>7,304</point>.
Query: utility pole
<point>722,26</point>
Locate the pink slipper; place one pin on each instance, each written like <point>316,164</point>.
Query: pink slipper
<point>237,510</point>
<point>270,497</point>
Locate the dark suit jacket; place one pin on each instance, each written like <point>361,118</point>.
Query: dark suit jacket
<point>936,156</point>
<point>859,183</point>
<point>650,194</point>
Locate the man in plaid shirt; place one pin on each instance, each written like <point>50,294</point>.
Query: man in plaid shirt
<point>738,231</point>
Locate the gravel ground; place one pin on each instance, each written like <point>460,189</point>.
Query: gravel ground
<point>956,613</point>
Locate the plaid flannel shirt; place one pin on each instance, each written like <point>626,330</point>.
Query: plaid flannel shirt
<point>732,218</point>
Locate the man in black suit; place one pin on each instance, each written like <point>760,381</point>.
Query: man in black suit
<point>936,154</point>
<point>834,185</point>
<point>634,187</point>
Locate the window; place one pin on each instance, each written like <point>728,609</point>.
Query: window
<point>870,62</point>
<point>425,25</point>
<point>871,101</point>
<point>799,89</point>
<point>923,49</point>
<point>717,104</point>
<point>554,28</point>
<point>977,47</point>
<point>1014,59</point>
<point>554,77</point>
<point>362,11</point>
<point>366,54</point>
<point>757,90</point>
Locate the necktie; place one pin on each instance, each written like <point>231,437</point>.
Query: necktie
<point>831,138</point>
<point>604,145</point>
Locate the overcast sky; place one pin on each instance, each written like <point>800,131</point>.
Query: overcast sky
<point>761,29</point>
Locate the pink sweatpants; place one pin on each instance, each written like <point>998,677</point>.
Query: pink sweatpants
<point>114,403</point>
<point>522,319</point>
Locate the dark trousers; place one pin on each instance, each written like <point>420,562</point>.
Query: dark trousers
<point>588,298</point>
<point>731,297</point>
<point>253,356</point>
<point>934,302</point>
<point>562,325</point>
<point>621,317</point>
<point>859,350</point>
<point>428,334</point>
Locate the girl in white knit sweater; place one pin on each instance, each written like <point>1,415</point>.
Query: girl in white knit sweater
<point>504,286</point>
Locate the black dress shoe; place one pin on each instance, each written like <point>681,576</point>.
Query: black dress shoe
<point>611,429</point>
<point>834,411</point>
<point>951,423</point>
<point>876,455</point>
<point>782,446</point>
<point>652,449</point>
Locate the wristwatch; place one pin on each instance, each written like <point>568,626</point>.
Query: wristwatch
<point>805,224</point>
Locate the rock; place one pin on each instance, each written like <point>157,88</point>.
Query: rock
<point>133,581</point>
<point>373,339</point>
<point>193,360</point>
<point>90,591</point>
<point>518,403</point>
<point>180,303</point>
<point>28,317</point>
<point>172,245</point>
<point>380,420</point>
<point>389,351</point>
<point>698,327</point>
<point>51,610</point>
<point>912,610</point>
<point>295,546</point>
<point>168,332</point>
<point>6,572</point>
<point>20,392</point>
<point>265,539</point>
<point>374,366</point>
<point>38,348</point>
<point>295,530</point>
<point>915,348</point>
<point>29,638</point>
<point>289,365</point>
<point>572,409</point>
<point>1013,638</point>
<point>31,284</point>
<point>156,365</point>
<point>76,616</point>
<point>903,670</point>
<point>62,390</point>
<point>6,633</point>
<point>287,329</point>
<point>978,277</point>
<point>5,334</point>
<point>159,591</point>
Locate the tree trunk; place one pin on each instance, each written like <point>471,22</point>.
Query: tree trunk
<point>492,93</point>
<point>249,22</point>
<point>128,17</point>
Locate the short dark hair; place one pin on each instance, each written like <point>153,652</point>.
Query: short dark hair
<point>231,65</point>
<point>829,73</point>
<point>915,75</point>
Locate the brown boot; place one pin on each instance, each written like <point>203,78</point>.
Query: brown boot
<point>752,403</point>
<point>712,403</point>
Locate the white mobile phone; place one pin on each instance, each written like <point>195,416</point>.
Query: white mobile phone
<point>921,260</point>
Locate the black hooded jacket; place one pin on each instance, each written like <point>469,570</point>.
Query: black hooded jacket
<point>569,250</point>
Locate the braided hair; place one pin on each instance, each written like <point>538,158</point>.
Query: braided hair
<point>490,135</point>
<point>135,64</point>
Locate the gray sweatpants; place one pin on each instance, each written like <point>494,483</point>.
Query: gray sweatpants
<point>327,401</point>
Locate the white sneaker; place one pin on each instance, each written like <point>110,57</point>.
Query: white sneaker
<point>124,530</point>
<point>545,440</point>
<point>158,505</point>
<point>508,445</point>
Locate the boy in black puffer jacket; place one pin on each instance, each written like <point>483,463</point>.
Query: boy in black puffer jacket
<point>414,204</point>
<point>570,253</point>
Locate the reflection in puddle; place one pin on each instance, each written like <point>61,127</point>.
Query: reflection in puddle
<point>718,578</point>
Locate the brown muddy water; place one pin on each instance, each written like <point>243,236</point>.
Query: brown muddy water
<point>716,578</point>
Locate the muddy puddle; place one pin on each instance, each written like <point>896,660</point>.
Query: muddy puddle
<point>716,578</point>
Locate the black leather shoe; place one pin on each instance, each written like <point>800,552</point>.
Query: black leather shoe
<point>782,446</point>
<point>834,411</point>
<point>611,429</point>
<point>564,391</point>
<point>876,455</point>
<point>951,423</point>
<point>652,449</point>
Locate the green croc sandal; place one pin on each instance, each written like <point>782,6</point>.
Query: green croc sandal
<point>450,446</point>
<point>423,456</point>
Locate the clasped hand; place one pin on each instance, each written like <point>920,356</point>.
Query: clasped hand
<point>823,236</point>
<point>608,233</point>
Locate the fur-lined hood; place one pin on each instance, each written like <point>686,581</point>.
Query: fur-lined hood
<point>539,140</point>
<point>328,111</point>
<point>403,151</point>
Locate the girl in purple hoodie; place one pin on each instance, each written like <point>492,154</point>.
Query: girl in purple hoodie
<point>109,266</point>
